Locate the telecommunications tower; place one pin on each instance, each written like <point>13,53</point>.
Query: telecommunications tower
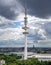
<point>25,33</point>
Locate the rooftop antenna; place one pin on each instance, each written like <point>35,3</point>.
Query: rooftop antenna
<point>25,32</point>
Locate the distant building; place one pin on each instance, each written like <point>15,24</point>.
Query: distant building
<point>9,50</point>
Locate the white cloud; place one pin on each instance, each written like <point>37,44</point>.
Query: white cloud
<point>42,33</point>
<point>11,33</point>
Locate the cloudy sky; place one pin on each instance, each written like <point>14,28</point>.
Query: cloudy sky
<point>12,21</point>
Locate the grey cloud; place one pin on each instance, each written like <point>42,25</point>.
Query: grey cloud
<point>47,28</point>
<point>6,12</point>
<point>39,8</point>
<point>44,44</point>
<point>34,35</point>
<point>11,43</point>
<point>9,8</point>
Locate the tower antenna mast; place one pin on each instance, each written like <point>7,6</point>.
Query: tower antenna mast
<point>25,32</point>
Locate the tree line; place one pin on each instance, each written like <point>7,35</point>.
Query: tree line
<point>13,59</point>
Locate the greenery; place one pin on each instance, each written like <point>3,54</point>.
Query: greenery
<point>16,60</point>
